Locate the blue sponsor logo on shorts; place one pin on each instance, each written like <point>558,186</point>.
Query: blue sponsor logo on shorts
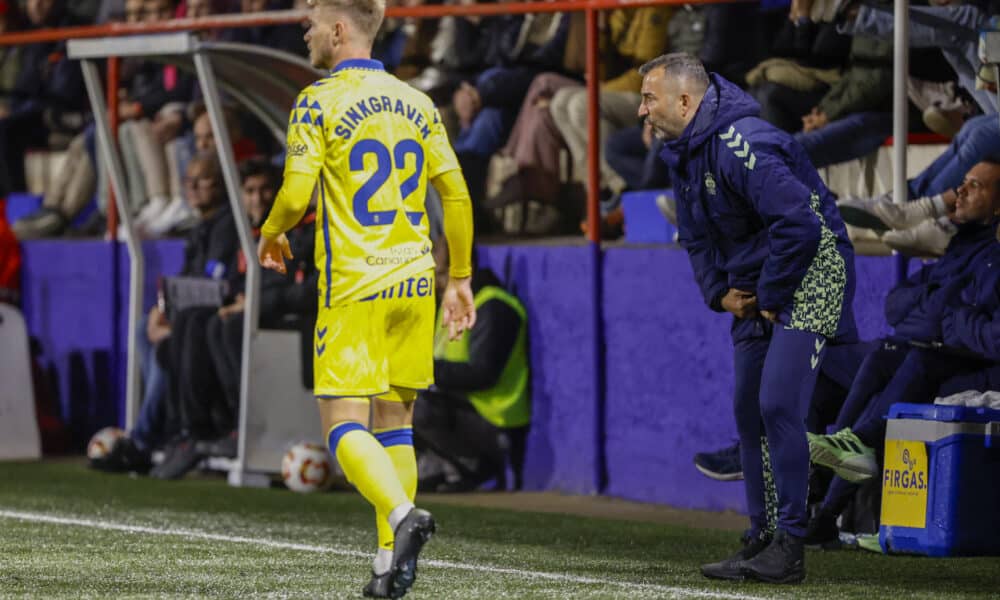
<point>414,287</point>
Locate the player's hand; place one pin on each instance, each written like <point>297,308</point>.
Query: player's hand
<point>273,252</point>
<point>769,315</point>
<point>742,304</point>
<point>459,308</point>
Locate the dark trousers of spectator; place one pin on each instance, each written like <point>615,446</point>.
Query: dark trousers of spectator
<point>224,337</point>
<point>196,393</point>
<point>449,425</point>
<point>783,106</point>
<point>978,138</point>
<point>639,166</point>
<point>848,138</point>
<point>18,132</point>
<point>900,373</point>
<point>775,381</point>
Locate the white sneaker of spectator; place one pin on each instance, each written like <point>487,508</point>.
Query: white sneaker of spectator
<point>881,213</point>
<point>173,215</point>
<point>151,211</point>
<point>927,240</point>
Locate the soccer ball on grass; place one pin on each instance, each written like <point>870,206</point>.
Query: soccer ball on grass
<point>307,467</point>
<point>103,441</point>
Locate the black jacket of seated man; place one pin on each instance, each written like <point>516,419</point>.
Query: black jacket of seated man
<point>475,418</point>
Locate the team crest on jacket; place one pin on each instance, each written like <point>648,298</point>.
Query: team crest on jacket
<point>710,183</point>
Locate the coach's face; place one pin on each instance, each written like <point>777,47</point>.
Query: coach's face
<point>979,195</point>
<point>320,39</point>
<point>665,105</point>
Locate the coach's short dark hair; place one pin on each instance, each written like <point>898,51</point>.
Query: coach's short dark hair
<point>680,64</point>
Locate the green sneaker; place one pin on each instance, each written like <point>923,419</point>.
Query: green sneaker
<point>869,542</point>
<point>845,454</point>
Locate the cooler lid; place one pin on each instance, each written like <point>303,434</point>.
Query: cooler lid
<point>946,413</point>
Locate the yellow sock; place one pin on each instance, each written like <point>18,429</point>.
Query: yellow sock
<point>398,443</point>
<point>367,465</point>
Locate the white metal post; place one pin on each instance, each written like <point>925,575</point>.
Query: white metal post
<point>213,105</point>
<point>111,161</point>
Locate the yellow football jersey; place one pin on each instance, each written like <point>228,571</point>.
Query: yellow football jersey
<point>375,142</point>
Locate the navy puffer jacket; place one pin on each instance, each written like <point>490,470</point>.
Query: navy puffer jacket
<point>754,215</point>
<point>914,308</point>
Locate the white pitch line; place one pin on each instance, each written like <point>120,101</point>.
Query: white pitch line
<point>268,543</point>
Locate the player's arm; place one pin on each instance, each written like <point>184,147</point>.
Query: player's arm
<point>306,147</point>
<point>459,311</point>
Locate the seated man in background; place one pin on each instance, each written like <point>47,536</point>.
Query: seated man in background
<point>287,301</point>
<point>211,251</point>
<point>208,360</point>
<point>934,351</point>
<point>476,416</point>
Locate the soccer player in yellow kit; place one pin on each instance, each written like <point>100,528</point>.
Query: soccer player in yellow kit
<point>370,144</point>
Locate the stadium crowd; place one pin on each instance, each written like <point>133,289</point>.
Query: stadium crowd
<point>511,89</point>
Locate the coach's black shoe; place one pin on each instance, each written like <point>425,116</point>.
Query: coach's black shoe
<point>412,533</point>
<point>379,586</point>
<point>731,568</point>
<point>783,561</point>
<point>822,532</point>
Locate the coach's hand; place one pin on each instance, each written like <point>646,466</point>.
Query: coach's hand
<point>273,252</point>
<point>742,304</point>
<point>459,307</point>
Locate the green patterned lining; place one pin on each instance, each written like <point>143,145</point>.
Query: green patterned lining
<point>819,299</point>
<point>770,489</point>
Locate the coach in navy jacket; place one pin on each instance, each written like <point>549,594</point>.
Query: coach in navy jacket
<point>767,244</point>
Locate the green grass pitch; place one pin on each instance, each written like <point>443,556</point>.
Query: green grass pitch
<point>66,531</point>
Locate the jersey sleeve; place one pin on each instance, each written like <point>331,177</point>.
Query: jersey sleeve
<point>306,142</point>
<point>440,155</point>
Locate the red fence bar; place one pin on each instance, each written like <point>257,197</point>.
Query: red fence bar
<point>280,17</point>
<point>593,130</point>
<point>112,93</point>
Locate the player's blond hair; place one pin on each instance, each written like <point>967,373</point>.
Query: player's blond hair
<point>366,14</point>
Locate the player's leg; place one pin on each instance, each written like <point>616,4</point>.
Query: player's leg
<point>350,367</point>
<point>392,418</point>
<point>363,459</point>
<point>409,338</point>
<point>787,383</point>
<point>749,356</point>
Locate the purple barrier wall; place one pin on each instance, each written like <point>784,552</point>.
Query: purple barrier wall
<point>69,308</point>
<point>555,283</point>
<point>669,374</point>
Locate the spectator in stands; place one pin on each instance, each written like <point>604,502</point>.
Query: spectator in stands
<point>513,49</point>
<point>943,302</point>
<point>207,357</point>
<point>949,25</point>
<point>211,251</point>
<point>289,38</point>
<point>10,56</point>
<point>854,117</point>
<point>476,416</point>
<point>631,37</point>
<point>47,96</point>
<point>767,245</point>
<point>153,116</point>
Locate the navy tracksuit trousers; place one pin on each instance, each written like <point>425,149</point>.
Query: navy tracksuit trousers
<point>775,378</point>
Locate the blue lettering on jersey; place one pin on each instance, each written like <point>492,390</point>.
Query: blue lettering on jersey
<point>355,115</point>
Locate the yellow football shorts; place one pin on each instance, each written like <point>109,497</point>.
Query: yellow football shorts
<point>362,348</point>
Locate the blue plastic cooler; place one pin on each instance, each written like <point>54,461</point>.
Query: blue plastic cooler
<point>941,481</point>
